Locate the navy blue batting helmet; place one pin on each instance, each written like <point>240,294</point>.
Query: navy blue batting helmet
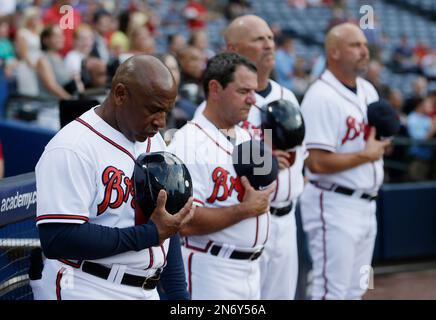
<point>161,170</point>
<point>254,159</point>
<point>285,122</point>
<point>384,118</point>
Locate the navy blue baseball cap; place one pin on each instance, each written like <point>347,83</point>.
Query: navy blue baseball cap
<point>255,160</point>
<point>384,118</point>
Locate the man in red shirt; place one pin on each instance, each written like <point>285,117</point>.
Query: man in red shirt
<point>68,21</point>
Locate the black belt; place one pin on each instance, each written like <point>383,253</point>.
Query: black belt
<point>239,255</point>
<point>278,212</point>
<point>98,270</point>
<point>344,190</point>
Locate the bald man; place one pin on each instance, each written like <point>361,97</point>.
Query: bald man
<point>96,244</point>
<point>345,169</point>
<point>250,36</point>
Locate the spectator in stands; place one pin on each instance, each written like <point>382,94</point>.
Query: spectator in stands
<point>420,51</point>
<point>236,8</point>
<point>396,152</point>
<point>184,109</point>
<point>196,14</point>
<point>421,127</point>
<point>7,52</point>
<point>174,16</point>
<point>420,91</point>
<point>56,82</point>
<point>285,60</point>
<point>338,16</point>
<point>402,59</point>
<point>373,75</point>
<point>8,62</point>
<point>83,44</point>
<point>2,162</point>
<point>141,41</point>
<point>428,65</point>
<point>28,48</point>
<point>175,42</point>
<point>200,41</point>
<point>301,79</point>
<point>192,65</point>
<point>102,28</point>
<point>53,15</point>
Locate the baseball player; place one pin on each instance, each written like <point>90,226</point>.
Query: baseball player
<point>97,245</point>
<point>251,37</point>
<point>345,169</point>
<point>224,240</point>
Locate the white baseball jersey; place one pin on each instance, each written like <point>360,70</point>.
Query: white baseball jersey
<point>85,175</point>
<point>279,261</point>
<point>208,155</point>
<point>341,229</point>
<point>336,120</point>
<point>285,193</point>
<point>290,182</point>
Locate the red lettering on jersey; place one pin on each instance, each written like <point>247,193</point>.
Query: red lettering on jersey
<point>236,184</point>
<point>255,131</point>
<point>220,178</point>
<point>354,130</point>
<point>112,179</point>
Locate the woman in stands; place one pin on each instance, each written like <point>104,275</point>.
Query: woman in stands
<point>56,82</point>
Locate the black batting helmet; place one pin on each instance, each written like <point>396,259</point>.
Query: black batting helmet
<point>285,122</point>
<point>161,170</point>
<point>255,160</point>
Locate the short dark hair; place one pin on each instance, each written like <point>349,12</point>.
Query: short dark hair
<point>222,68</point>
<point>45,34</point>
<point>99,14</point>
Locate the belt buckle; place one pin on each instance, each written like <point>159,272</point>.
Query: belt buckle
<point>154,277</point>
<point>256,254</point>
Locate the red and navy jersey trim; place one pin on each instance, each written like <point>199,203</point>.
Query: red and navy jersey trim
<point>192,247</point>
<point>61,217</point>
<point>211,138</point>
<point>116,145</point>
<point>58,283</point>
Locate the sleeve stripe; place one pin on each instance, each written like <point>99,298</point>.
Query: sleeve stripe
<point>61,217</point>
<point>198,202</point>
<point>320,146</point>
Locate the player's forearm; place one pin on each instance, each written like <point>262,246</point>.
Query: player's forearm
<point>173,278</point>
<point>328,162</point>
<point>91,241</point>
<point>209,220</point>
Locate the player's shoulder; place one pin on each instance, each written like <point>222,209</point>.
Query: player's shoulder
<point>278,91</point>
<point>73,134</point>
<point>369,89</point>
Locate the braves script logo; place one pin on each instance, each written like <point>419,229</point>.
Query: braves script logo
<point>115,180</point>
<point>221,190</point>
<point>255,131</point>
<point>354,129</point>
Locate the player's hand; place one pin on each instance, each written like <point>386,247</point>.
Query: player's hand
<point>166,223</point>
<point>282,159</point>
<point>375,149</point>
<point>256,202</point>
